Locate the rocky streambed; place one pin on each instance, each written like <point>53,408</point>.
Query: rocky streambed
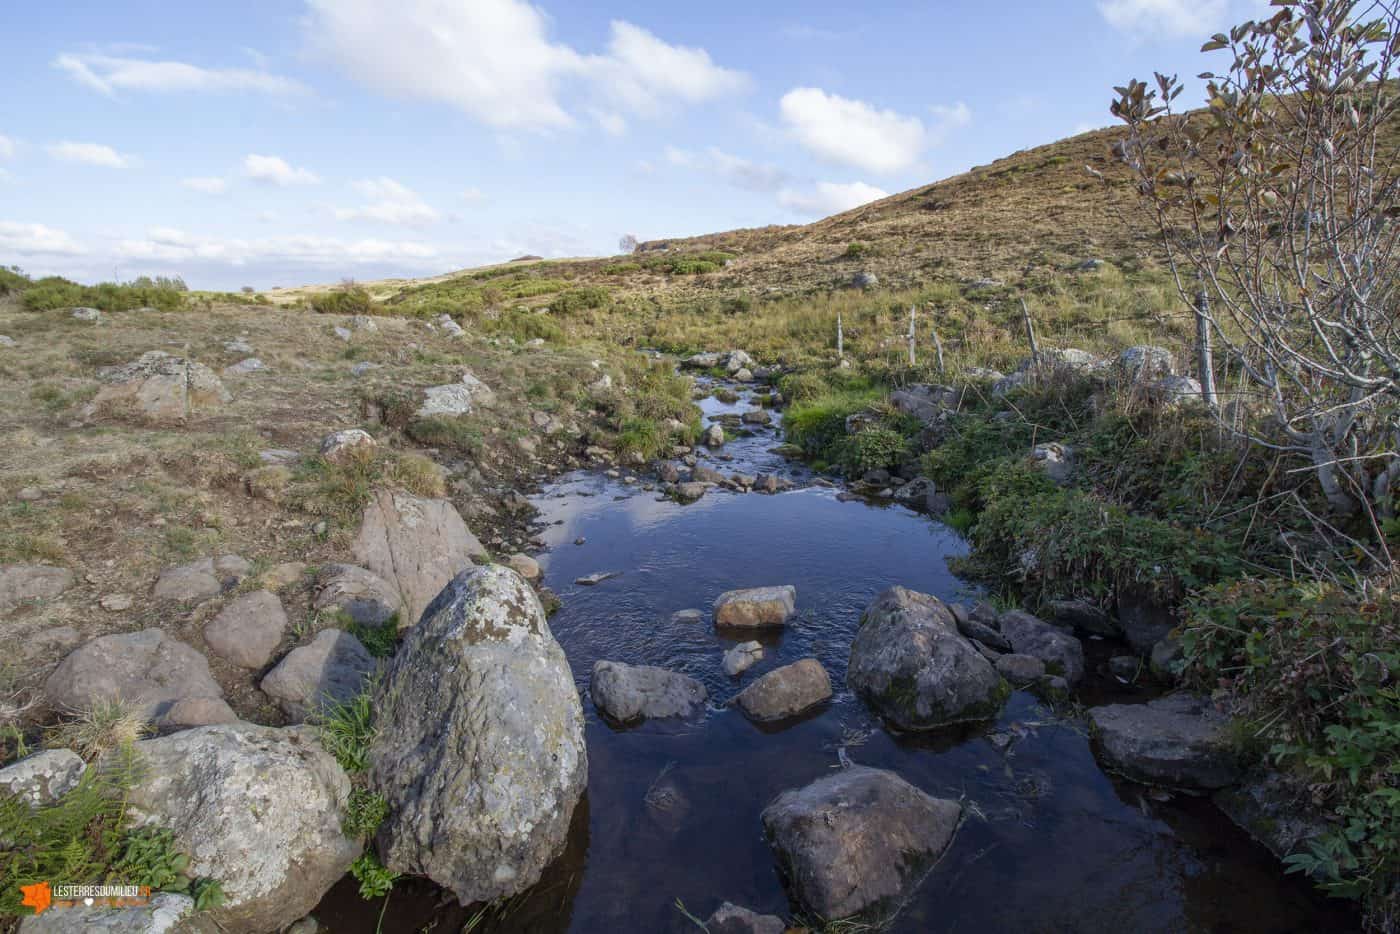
<point>736,755</point>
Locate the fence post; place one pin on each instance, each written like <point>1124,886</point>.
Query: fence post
<point>937,345</point>
<point>912,335</point>
<point>840,339</point>
<point>1030,333</point>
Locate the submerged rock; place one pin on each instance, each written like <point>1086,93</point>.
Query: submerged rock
<point>480,752</point>
<point>636,692</point>
<point>1179,740</point>
<point>257,808</point>
<point>857,844</point>
<point>742,657</point>
<point>1274,808</point>
<point>733,919</point>
<point>786,692</point>
<point>756,606</point>
<point>910,663</point>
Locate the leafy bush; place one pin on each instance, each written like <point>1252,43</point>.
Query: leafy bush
<point>591,296</point>
<point>856,250</point>
<point>1315,669</point>
<point>877,447</point>
<point>55,292</point>
<point>347,300</point>
<point>375,879</point>
<point>12,280</point>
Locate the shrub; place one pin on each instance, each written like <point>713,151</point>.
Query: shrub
<point>455,432</point>
<point>12,280</point>
<point>856,250</point>
<point>418,475</point>
<point>347,300</point>
<point>874,448</point>
<point>591,296</point>
<point>819,425</point>
<point>1314,667</point>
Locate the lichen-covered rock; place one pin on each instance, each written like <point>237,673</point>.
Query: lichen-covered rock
<point>452,399</point>
<point>31,583</point>
<point>480,751</point>
<point>43,777</point>
<point>339,447</point>
<point>331,669</point>
<point>857,844</point>
<point>1054,460</point>
<point>757,606</point>
<point>149,670</point>
<point>786,692</point>
<point>165,913</point>
<point>417,544</point>
<point>362,595</point>
<point>248,630</point>
<point>635,692</point>
<point>160,388</point>
<point>1179,740</point>
<point>1145,362</point>
<point>910,663</point>
<point>1061,652</point>
<point>257,808</point>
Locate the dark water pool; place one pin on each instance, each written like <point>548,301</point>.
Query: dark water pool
<point>1050,843</point>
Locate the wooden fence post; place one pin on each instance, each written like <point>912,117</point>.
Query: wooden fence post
<point>912,336</point>
<point>1030,333</point>
<point>840,339</point>
<point>1205,357</point>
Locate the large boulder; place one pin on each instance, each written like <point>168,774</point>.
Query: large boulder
<point>786,692</point>
<point>363,596</point>
<point>160,388</point>
<point>857,844</point>
<point>417,544</point>
<point>1061,652</point>
<point>256,808</point>
<point>636,692</point>
<point>148,669</point>
<point>480,751</point>
<point>248,630</point>
<point>1145,362</point>
<point>1275,808</point>
<point>331,669</point>
<point>910,663</point>
<point>31,583</point>
<point>43,777</point>
<point>757,606</point>
<point>927,403</point>
<point>1179,740</point>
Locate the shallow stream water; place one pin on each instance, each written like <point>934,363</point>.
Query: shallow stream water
<point>1050,842</point>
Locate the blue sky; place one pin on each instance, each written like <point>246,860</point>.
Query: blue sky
<point>279,142</point>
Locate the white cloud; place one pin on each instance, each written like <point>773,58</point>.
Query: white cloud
<point>167,244</point>
<point>275,170</point>
<point>851,132</point>
<point>18,239</point>
<point>739,172</point>
<point>209,185</point>
<point>495,60</point>
<point>7,147</point>
<point>108,74</point>
<point>829,198</point>
<point>1177,18</point>
<point>90,154</point>
<point>390,203</point>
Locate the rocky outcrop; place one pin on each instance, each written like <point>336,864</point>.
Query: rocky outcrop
<point>417,544</point>
<point>910,663</point>
<point>1061,652</point>
<point>147,669</point>
<point>362,595</point>
<point>31,583</point>
<point>480,752</point>
<point>1179,740</point>
<point>248,630</point>
<point>756,607</point>
<point>637,692</point>
<point>160,388</point>
<point>331,669</point>
<point>44,777</point>
<point>256,808</point>
<point>786,692</point>
<point>454,399</point>
<point>857,844</point>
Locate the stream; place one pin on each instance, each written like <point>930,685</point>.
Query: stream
<point>1050,843</point>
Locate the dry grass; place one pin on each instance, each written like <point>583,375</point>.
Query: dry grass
<point>104,727</point>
